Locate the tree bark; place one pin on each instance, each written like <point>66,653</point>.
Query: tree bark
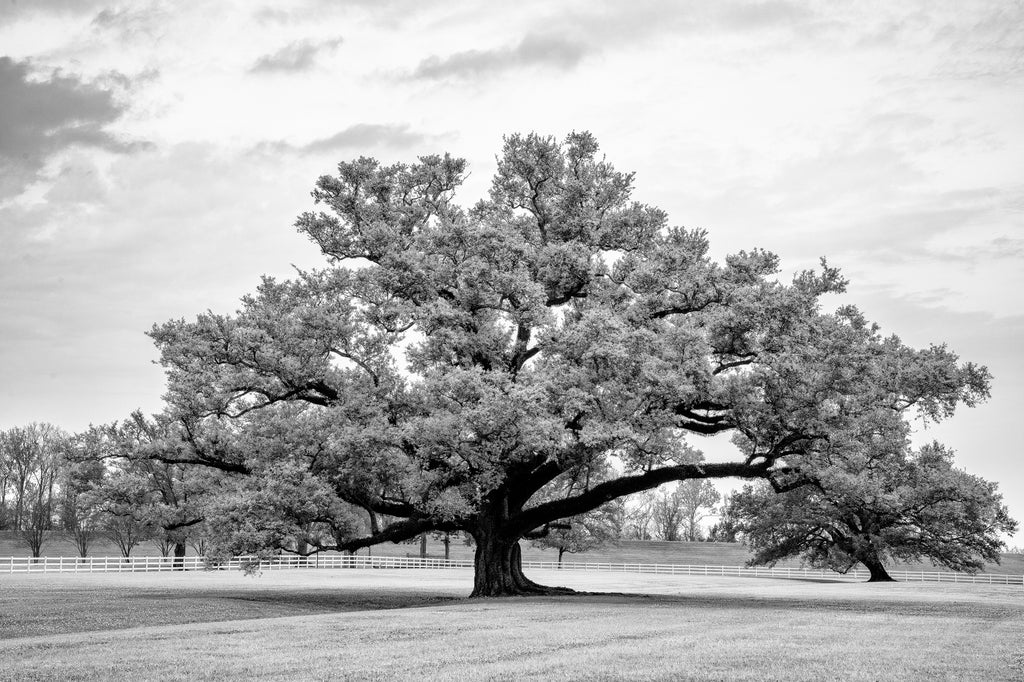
<point>499,571</point>
<point>179,556</point>
<point>493,575</point>
<point>877,570</point>
<point>498,567</point>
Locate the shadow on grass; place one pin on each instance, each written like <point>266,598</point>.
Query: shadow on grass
<point>41,611</point>
<point>863,603</point>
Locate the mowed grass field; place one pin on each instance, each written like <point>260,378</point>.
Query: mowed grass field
<point>417,624</point>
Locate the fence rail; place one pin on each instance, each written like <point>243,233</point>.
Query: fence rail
<point>144,564</point>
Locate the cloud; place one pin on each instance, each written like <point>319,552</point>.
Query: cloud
<point>603,24</point>
<point>362,136</point>
<point>533,50</point>
<point>757,15</point>
<point>146,22</point>
<point>14,8</point>
<point>298,56</point>
<point>41,117</point>
<point>367,135</point>
<point>380,12</point>
<point>165,233</point>
<point>1007,247</point>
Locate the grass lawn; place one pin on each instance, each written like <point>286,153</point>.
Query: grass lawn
<point>415,625</point>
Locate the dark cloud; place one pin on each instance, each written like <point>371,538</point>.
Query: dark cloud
<point>110,17</point>
<point>41,117</point>
<point>610,23</point>
<point>275,15</point>
<point>599,25</point>
<point>14,8</point>
<point>362,136</point>
<point>139,22</point>
<point>298,56</point>
<point>533,50</point>
<point>367,135</point>
<point>1008,247</point>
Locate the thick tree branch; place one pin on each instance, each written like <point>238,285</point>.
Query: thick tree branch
<point>398,532</point>
<point>534,517</point>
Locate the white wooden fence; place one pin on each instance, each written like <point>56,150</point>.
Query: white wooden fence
<point>144,564</point>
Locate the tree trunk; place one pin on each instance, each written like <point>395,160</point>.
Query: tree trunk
<point>179,556</point>
<point>493,572</point>
<point>82,540</point>
<point>423,545</point>
<point>498,568</point>
<point>877,570</point>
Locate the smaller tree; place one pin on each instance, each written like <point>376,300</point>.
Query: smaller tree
<point>79,512</point>
<point>199,540</point>
<point>677,513</point>
<point>40,463</point>
<point>124,530</point>
<point>6,480</point>
<point>697,499</point>
<point>37,521</point>
<point>639,516</point>
<point>446,539</point>
<point>877,506</point>
<point>81,521</point>
<point>667,516</point>
<point>123,503</point>
<point>163,543</point>
<point>727,529</point>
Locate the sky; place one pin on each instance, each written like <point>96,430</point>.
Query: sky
<point>154,156</point>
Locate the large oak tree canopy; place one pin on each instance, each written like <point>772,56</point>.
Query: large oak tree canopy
<point>450,365</point>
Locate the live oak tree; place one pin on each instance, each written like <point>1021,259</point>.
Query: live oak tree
<point>450,365</point>
<point>874,506</point>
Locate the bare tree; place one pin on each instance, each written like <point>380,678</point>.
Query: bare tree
<point>697,499</point>
<point>36,454</point>
<point>79,511</point>
<point>727,528</point>
<point>5,483</point>
<point>667,515</point>
<point>639,517</point>
<point>677,513</point>
<point>22,446</point>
